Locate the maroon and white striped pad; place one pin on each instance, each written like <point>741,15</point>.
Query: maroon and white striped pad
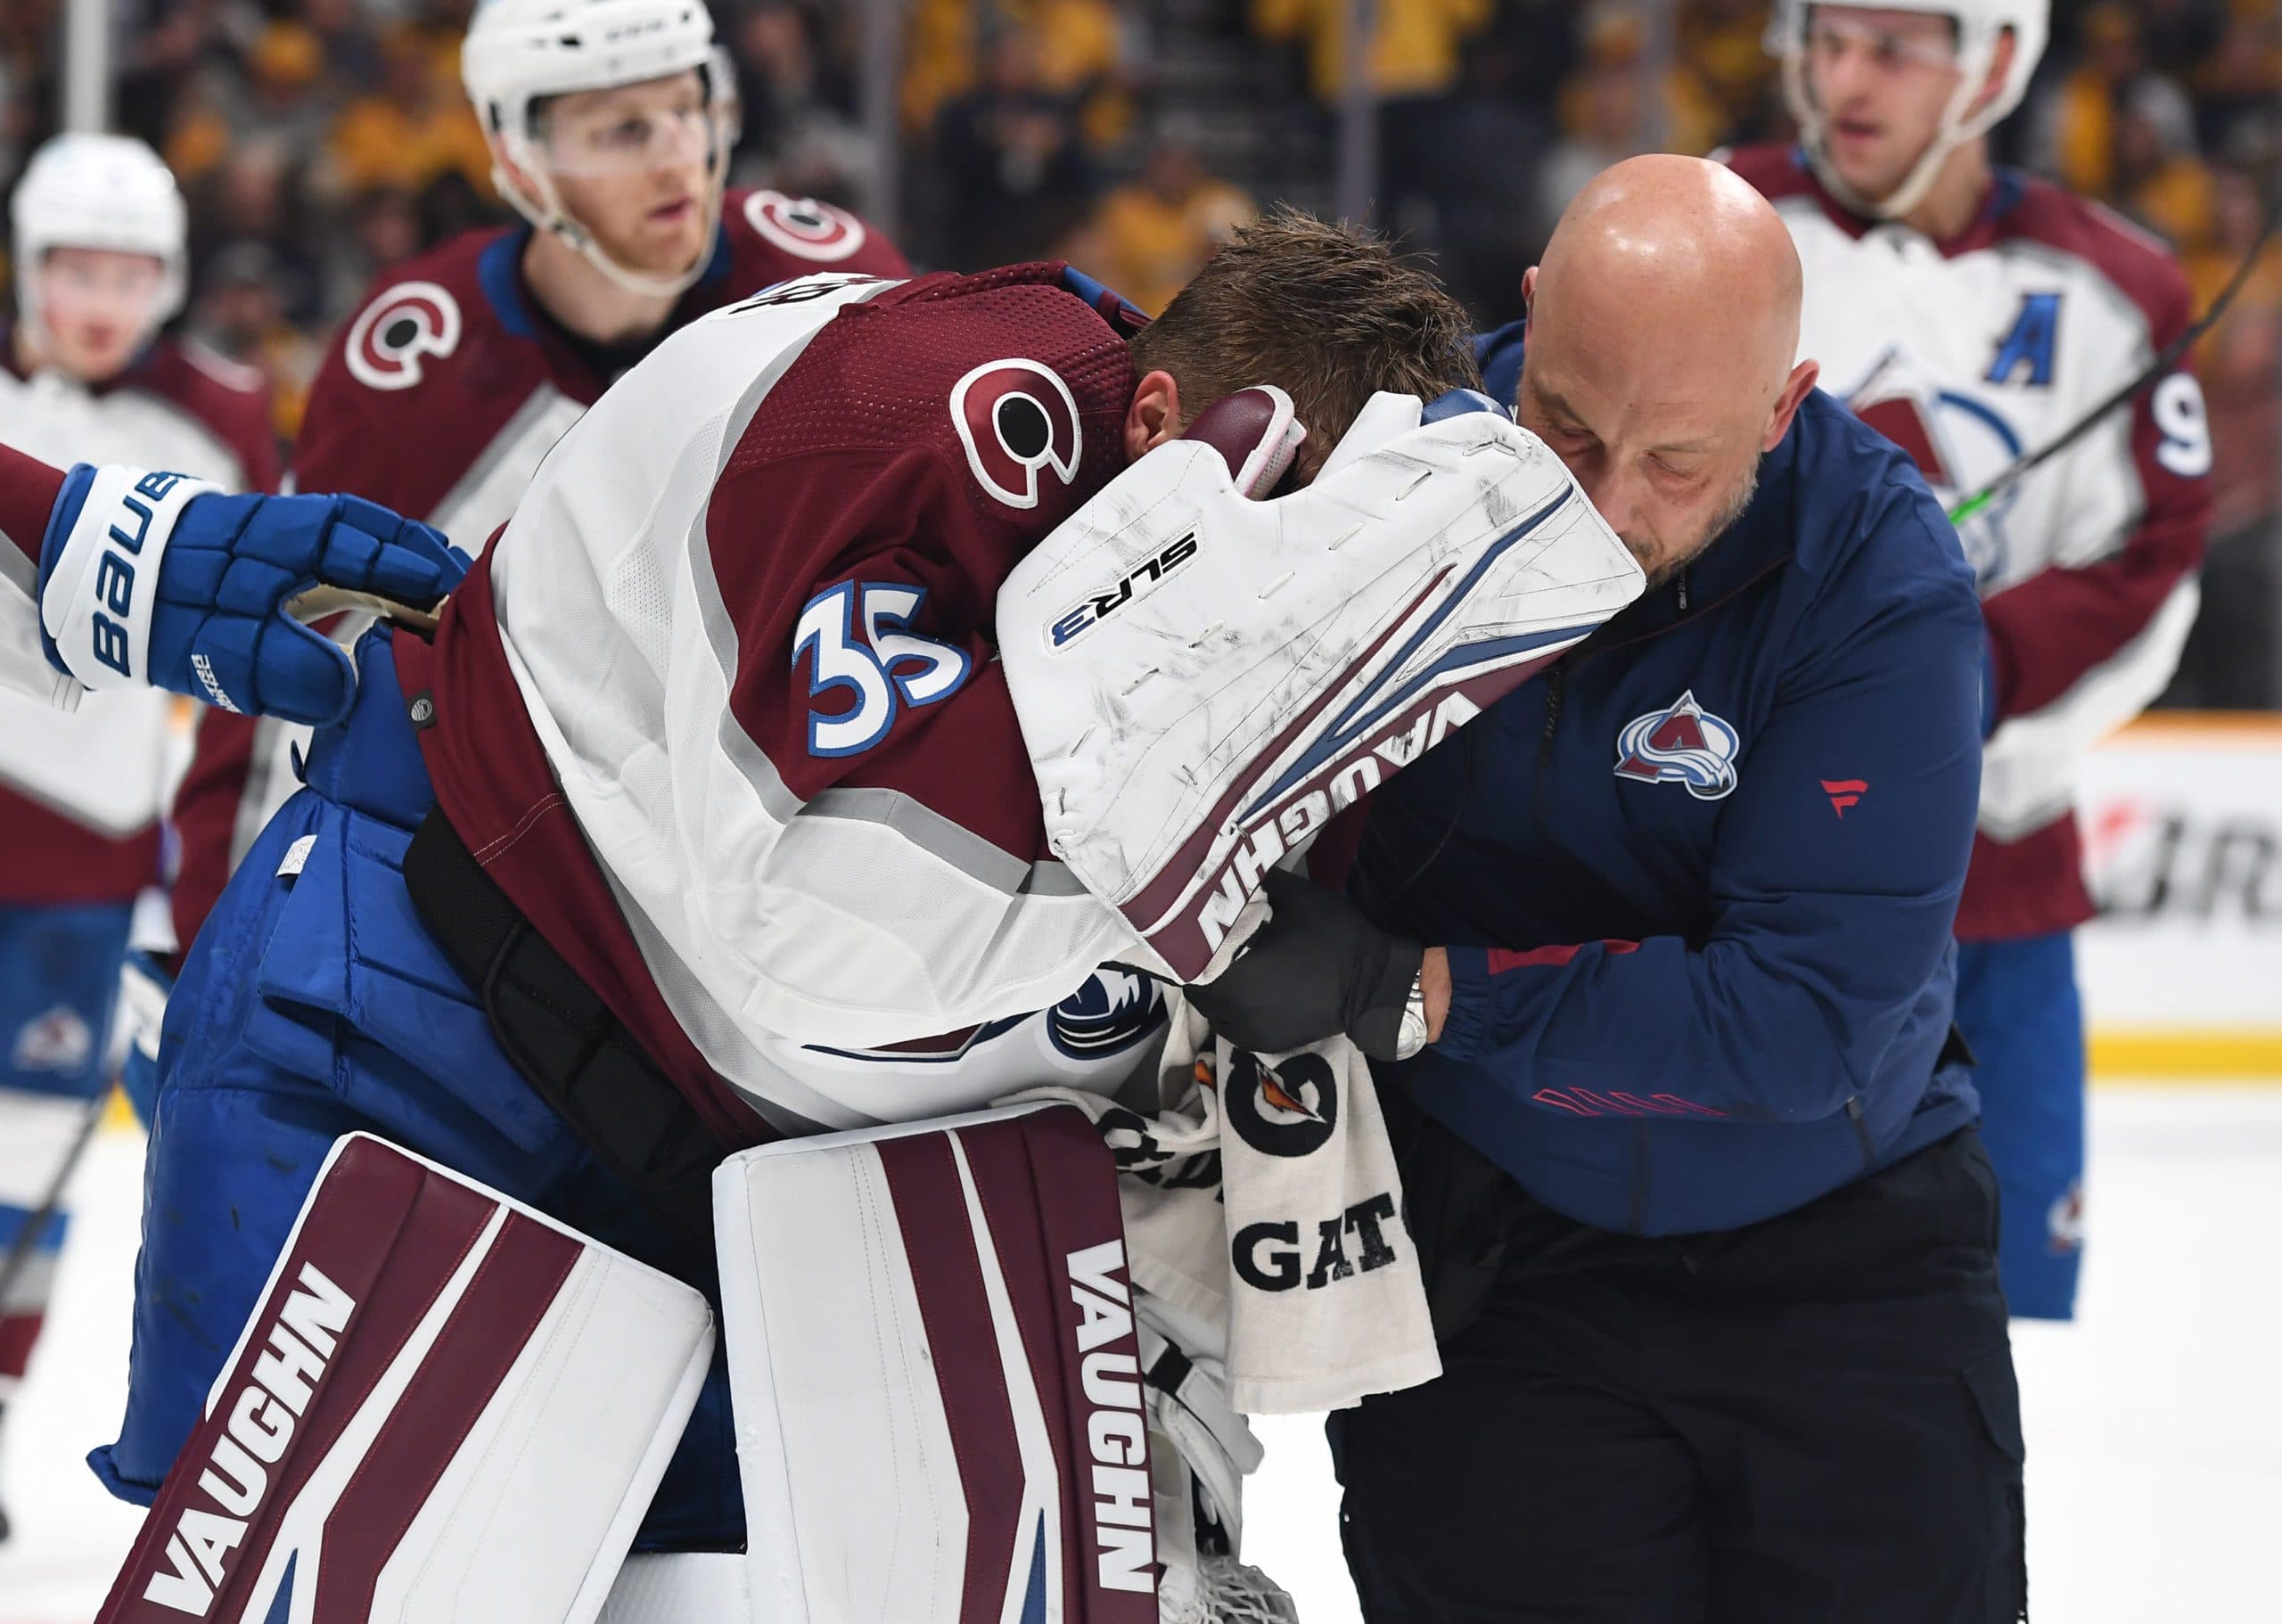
<point>938,1385</point>
<point>446,1405</point>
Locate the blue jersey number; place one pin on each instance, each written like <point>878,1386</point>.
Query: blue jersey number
<point>887,666</point>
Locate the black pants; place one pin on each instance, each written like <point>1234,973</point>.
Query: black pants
<point>1810,1421</point>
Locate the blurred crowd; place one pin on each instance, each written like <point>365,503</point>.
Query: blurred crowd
<point>320,139</point>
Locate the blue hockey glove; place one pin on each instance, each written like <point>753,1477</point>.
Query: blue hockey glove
<point>160,578</point>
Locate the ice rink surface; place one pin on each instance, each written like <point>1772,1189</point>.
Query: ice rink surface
<point>2155,1423</point>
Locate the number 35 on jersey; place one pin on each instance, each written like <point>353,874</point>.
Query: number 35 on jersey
<point>859,639</point>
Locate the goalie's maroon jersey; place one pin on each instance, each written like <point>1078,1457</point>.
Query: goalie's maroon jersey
<point>745,672</point>
<point>437,398</point>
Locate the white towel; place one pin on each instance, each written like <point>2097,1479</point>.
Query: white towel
<point>1287,1231</point>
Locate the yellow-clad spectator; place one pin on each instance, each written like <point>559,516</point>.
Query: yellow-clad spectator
<point>2076,130</point>
<point>411,129</point>
<point>1415,58</point>
<point>1151,234</point>
<point>1613,75</point>
<point>280,97</point>
<point>2158,178</point>
<point>940,58</point>
<point>1722,45</point>
<point>1414,48</point>
<point>1081,47</point>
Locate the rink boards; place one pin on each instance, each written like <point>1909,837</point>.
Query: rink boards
<point>2182,821</point>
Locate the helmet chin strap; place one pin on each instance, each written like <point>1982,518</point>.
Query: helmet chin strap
<point>546,213</point>
<point>1956,127</point>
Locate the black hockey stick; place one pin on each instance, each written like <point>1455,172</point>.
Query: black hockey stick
<point>19,1249</point>
<point>2021,469</point>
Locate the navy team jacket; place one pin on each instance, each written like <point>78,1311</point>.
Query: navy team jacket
<point>1697,879</point>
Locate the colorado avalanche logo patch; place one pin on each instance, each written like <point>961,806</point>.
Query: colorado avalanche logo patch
<point>56,1041</point>
<point>804,228</point>
<point>1114,1010</point>
<point>387,341</point>
<point>1682,743</point>
<point>1018,422</point>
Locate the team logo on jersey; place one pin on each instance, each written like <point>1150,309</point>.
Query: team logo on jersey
<point>387,340</point>
<point>1114,1010</point>
<point>1018,422</point>
<point>2063,1222</point>
<point>1958,441</point>
<point>804,228</point>
<point>58,1041</point>
<point>1289,1109</point>
<point>1682,743</point>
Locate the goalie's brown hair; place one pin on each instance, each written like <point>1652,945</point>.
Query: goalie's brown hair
<point>1327,313</point>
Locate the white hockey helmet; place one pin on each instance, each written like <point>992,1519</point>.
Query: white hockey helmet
<point>1981,24</point>
<point>109,192</point>
<point>517,51</point>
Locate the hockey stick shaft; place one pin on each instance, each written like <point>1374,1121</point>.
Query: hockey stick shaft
<point>2163,363</point>
<point>36,1223</point>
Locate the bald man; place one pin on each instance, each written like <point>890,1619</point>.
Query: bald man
<point>1691,1151</point>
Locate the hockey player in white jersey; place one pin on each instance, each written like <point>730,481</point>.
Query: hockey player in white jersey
<point>98,241</point>
<point>1974,315</point>
<point>706,820</point>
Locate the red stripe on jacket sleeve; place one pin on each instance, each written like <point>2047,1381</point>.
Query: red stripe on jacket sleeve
<point>1503,959</point>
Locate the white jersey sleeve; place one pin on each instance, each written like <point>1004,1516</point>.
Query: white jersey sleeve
<point>24,671</point>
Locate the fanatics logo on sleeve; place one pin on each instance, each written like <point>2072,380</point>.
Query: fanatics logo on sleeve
<point>1682,743</point>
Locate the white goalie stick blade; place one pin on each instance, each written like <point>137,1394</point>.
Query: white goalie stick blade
<point>935,1378</point>
<point>445,1407</point>
<point>1203,681</point>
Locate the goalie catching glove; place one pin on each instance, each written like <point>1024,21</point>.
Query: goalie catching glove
<point>1203,679</point>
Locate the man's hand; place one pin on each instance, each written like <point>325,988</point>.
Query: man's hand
<point>1318,966</point>
<point>156,578</point>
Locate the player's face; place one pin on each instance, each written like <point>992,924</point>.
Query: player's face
<point>97,306</point>
<point>633,166</point>
<point>1669,470</point>
<point>1881,80</point>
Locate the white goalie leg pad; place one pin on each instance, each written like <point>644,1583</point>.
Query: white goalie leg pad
<point>941,1416</point>
<point>446,1407</point>
<point>1202,679</point>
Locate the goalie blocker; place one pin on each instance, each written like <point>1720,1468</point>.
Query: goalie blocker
<point>445,1405</point>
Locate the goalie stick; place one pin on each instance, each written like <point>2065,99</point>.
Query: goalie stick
<point>35,1222</point>
<point>2165,358</point>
